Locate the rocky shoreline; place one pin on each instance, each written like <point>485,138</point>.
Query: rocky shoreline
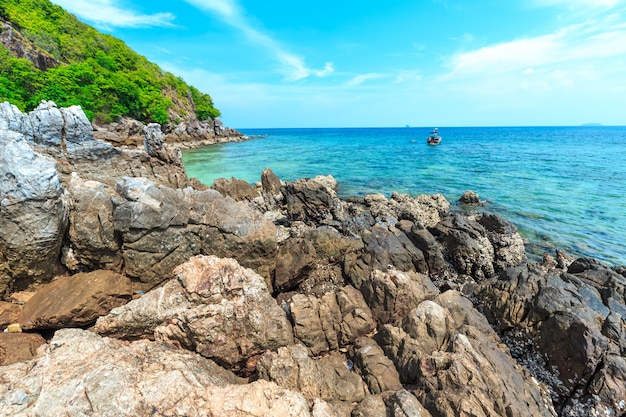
<point>129,133</point>
<point>130,289</point>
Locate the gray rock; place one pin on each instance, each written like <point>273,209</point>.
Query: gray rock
<point>12,119</point>
<point>33,215</point>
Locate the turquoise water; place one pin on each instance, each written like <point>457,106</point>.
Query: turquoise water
<point>564,187</point>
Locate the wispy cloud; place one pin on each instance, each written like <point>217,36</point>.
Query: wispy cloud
<point>583,43</point>
<point>360,79</point>
<point>578,3</point>
<point>292,66</point>
<point>109,13</point>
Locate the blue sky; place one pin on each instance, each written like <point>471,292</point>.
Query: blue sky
<point>348,63</point>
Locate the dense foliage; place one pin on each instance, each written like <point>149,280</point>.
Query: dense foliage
<point>97,71</point>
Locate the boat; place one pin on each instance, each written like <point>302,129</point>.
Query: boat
<point>434,138</point>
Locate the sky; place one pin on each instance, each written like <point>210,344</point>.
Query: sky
<point>349,63</point>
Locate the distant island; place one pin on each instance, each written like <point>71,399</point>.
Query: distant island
<point>592,124</point>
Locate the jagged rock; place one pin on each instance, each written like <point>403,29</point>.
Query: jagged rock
<point>93,243</point>
<point>33,214</point>
<point>101,376</point>
<point>378,371</point>
<point>239,190</point>
<point>426,242</point>
<point>294,261</point>
<point>391,404</point>
<point>584,311</point>
<point>214,307</point>
<point>75,301</point>
<point>391,295</point>
<point>469,197</point>
<point>311,200</point>
<point>385,247</point>
<point>427,210</point>
<point>455,364</point>
<point>336,319</point>
<point>66,133</point>
<point>12,119</point>
<point>329,378</point>
<point>18,347</point>
<point>161,228</point>
<point>154,144</point>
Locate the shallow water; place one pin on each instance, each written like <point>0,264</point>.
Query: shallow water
<point>564,187</point>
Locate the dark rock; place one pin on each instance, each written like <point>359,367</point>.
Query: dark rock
<point>239,190</point>
<point>469,197</point>
<point>294,261</point>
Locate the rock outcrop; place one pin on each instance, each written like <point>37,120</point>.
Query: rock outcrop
<point>214,307</point>
<point>85,374</point>
<point>278,298</point>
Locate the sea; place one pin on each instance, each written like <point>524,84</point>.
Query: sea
<point>563,187</point>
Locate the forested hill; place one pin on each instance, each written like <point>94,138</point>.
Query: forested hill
<point>47,53</point>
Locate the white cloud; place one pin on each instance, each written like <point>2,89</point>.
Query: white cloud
<point>579,3</point>
<point>293,67</point>
<point>108,13</point>
<point>573,45</point>
<point>360,79</point>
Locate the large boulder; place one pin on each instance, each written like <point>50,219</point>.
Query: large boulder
<point>33,214</point>
<point>75,301</point>
<point>85,374</point>
<point>93,243</point>
<point>214,307</point>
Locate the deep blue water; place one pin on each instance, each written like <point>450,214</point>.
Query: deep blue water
<point>564,187</point>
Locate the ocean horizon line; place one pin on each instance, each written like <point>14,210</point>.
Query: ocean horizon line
<point>585,125</point>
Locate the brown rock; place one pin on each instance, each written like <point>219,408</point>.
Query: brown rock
<point>391,295</point>
<point>75,301</point>
<point>378,371</point>
<point>333,320</point>
<point>18,347</point>
<point>239,190</point>
<point>329,377</point>
<point>8,313</point>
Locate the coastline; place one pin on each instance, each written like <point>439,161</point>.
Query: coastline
<point>278,296</point>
